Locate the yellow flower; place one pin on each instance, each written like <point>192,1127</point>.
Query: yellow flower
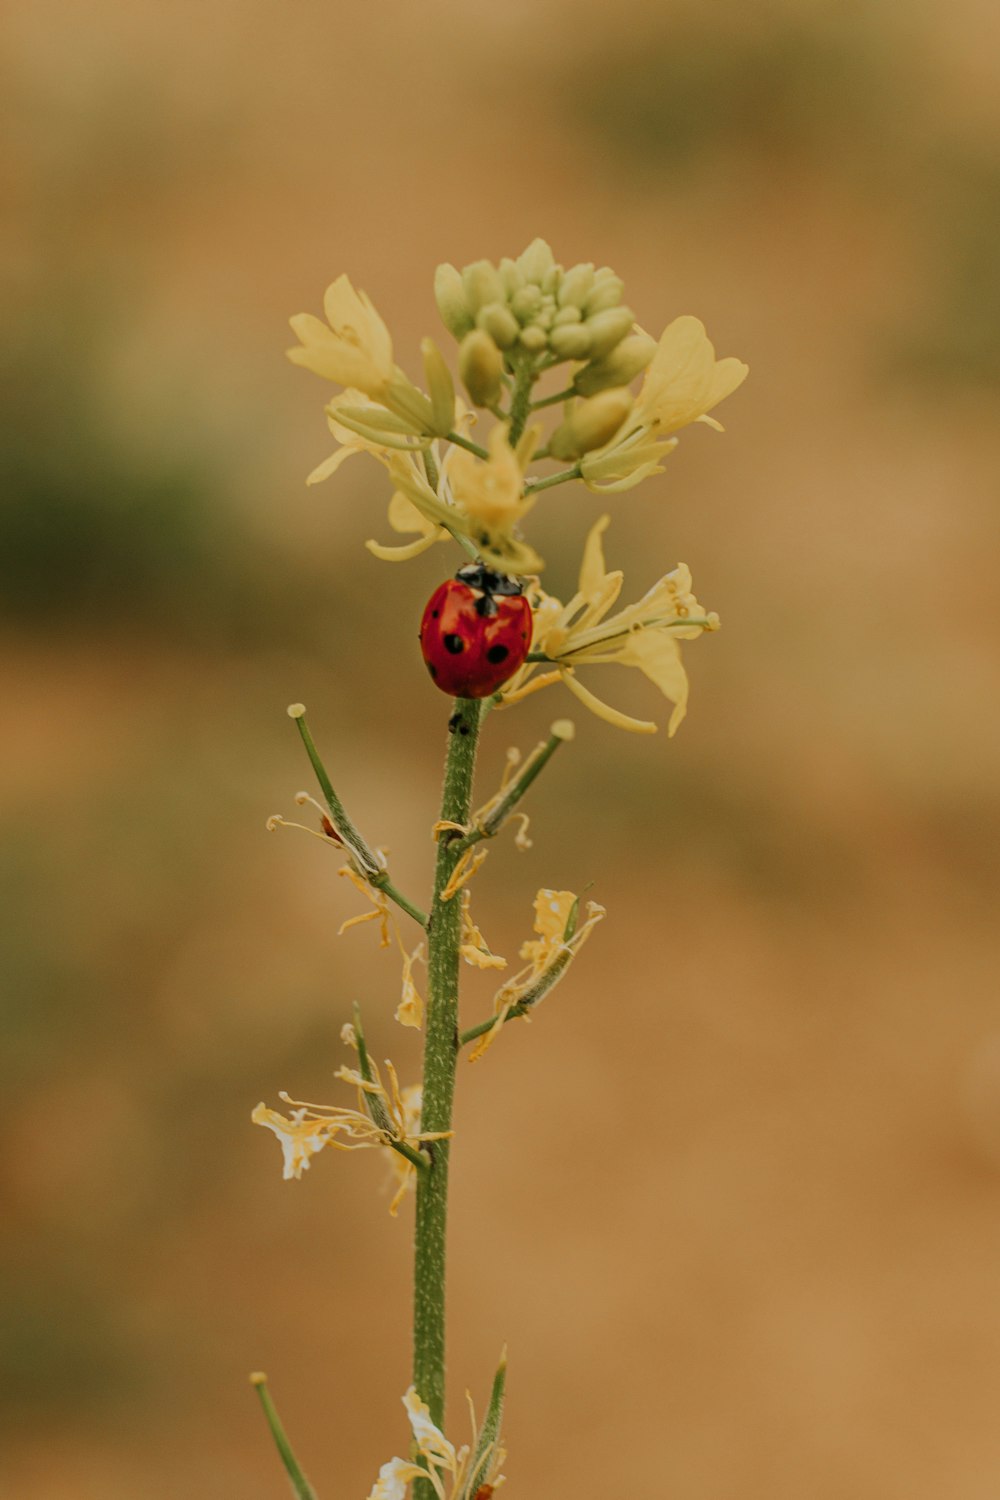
<point>682,385</point>
<point>644,635</point>
<point>490,494</point>
<point>353,347</point>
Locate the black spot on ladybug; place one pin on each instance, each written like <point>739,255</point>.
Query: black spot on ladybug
<point>497,654</point>
<point>432,669</point>
<point>435,613</point>
<point>454,644</point>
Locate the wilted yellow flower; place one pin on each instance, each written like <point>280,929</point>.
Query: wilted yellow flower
<point>644,635</point>
<point>560,937</point>
<point>442,1461</point>
<point>353,347</point>
<point>410,1011</point>
<point>310,1127</point>
<point>380,906</point>
<point>302,1135</point>
<point>682,385</point>
<point>474,948</point>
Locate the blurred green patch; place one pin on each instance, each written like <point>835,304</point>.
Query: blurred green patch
<point>90,528</point>
<point>954,335</point>
<point>810,87</point>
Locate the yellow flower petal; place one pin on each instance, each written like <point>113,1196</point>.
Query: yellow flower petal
<point>658,655</point>
<point>685,380</point>
<point>604,710</point>
<point>405,552</point>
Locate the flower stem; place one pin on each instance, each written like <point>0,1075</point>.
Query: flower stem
<point>441,1044</point>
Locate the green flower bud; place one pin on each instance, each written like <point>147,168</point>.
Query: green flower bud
<point>545,315</point>
<point>591,424</point>
<point>575,286</point>
<point>535,261</point>
<point>567,315</point>
<point>440,386</point>
<point>483,285</point>
<point>450,297</point>
<point>608,328</point>
<point>525,303</point>
<point>623,364</point>
<point>607,292</point>
<point>571,341</point>
<point>500,323</point>
<point>534,339</point>
<point>511,275</point>
<point>480,365</point>
<point>551,280</point>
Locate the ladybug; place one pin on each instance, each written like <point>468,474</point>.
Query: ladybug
<point>475,632</point>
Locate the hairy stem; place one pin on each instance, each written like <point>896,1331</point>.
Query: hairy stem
<point>520,401</point>
<point>444,931</point>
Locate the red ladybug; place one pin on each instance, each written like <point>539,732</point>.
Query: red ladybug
<point>475,632</point>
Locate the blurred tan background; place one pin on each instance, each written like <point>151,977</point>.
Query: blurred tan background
<point>734,1198</point>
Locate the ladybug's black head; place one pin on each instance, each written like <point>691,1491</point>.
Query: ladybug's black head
<point>488,584</point>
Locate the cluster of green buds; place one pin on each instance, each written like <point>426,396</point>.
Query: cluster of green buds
<point>533,313</point>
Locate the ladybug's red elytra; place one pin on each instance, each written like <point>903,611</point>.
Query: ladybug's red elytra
<point>475,632</point>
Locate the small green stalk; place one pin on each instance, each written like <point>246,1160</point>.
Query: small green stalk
<point>302,1488</point>
<point>566,395</point>
<point>564,476</point>
<point>467,443</point>
<point>377,1109</point>
<point>505,803</point>
<point>363,857</point>
<point>444,931</point>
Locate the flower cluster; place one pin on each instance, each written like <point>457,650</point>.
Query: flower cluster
<point>515,322</point>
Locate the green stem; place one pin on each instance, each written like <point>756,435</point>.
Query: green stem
<point>440,1057</point>
<point>563,477</point>
<point>300,1484</point>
